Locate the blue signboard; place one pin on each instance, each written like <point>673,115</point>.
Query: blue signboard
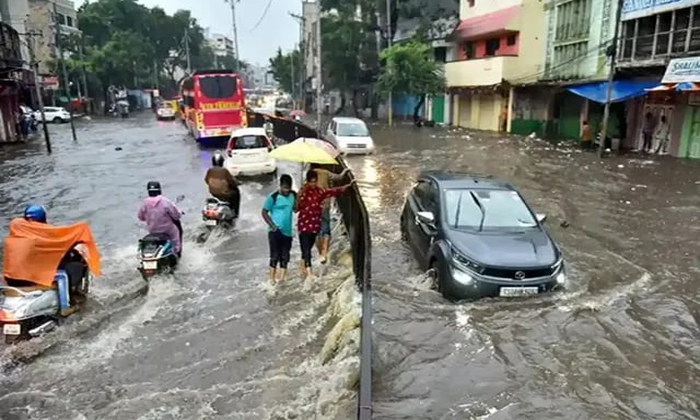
<point>633,9</point>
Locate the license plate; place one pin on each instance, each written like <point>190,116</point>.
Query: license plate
<point>11,329</point>
<point>210,222</point>
<point>150,265</point>
<point>518,291</point>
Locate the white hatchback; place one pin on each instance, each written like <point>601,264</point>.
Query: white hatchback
<point>54,114</point>
<point>248,152</point>
<point>350,135</point>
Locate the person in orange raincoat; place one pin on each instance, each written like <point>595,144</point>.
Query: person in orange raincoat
<point>34,249</point>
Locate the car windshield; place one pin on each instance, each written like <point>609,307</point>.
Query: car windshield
<point>487,209</point>
<point>248,142</point>
<point>353,130</point>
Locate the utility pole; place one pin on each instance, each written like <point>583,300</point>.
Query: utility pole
<point>66,81</point>
<point>82,69</point>
<point>302,58</point>
<point>612,52</point>
<point>35,69</point>
<point>291,59</point>
<point>235,34</point>
<point>319,77</point>
<point>187,51</point>
<point>388,38</point>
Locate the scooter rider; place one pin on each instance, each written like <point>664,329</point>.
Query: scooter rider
<point>35,213</point>
<point>222,184</point>
<point>162,216</point>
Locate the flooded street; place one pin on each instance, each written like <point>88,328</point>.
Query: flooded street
<point>622,342</point>
<point>211,341</point>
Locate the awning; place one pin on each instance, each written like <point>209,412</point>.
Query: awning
<point>489,23</point>
<point>622,90</point>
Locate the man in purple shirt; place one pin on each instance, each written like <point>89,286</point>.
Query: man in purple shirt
<point>162,216</point>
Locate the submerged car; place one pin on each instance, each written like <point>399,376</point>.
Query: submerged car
<point>167,110</point>
<point>350,135</point>
<point>477,237</point>
<point>248,152</point>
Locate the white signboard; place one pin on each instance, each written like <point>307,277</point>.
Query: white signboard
<point>633,9</point>
<point>681,70</point>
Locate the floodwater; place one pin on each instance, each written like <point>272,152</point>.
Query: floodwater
<point>211,341</point>
<point>622,342</point>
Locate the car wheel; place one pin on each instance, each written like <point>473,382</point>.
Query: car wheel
<point>57,120</point>
<point>404,229</point>
<point>435,274</point>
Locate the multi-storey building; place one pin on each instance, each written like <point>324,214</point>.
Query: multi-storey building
<point>46,18</point>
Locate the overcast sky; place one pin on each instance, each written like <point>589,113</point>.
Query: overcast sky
<point>277,28</point>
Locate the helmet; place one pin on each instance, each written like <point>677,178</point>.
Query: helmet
<point>35,213</point>
<point>217,159</point>
<point>153,188</point>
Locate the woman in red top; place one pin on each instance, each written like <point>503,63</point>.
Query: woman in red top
<point>310,207</point>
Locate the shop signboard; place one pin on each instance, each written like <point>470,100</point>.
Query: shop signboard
<point>681,70</point>
<point>633,9</point>
<point>50,82</point>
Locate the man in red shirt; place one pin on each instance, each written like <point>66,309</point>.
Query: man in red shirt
<point>310,208</point>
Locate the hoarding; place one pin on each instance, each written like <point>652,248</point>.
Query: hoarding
<point>633,9</point>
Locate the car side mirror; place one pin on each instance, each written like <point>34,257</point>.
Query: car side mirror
<point>426,217</point>
<point>541,217</point>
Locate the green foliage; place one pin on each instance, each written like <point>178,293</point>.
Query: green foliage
<point>127,44</point>
<point>281,68</point>
<point>409,68</point>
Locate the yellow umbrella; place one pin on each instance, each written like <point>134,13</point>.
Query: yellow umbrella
<point>304,152</point>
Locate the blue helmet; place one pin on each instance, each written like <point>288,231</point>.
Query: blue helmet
<point>35,213</point>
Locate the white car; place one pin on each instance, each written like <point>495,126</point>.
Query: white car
<point>165,111</point>
<point>248,152</point>
<point>350,135</point>
<point>54,114</point>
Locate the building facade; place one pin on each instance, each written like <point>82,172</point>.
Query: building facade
<point>12,86</point>
<point>222,45</point>
<point>46,24</point>
<point>497,50</point>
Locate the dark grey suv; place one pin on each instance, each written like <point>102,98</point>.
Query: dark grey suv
<point>479,238</point>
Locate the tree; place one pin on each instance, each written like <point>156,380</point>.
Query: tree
<point>283,66</point>
<point>410,69</point>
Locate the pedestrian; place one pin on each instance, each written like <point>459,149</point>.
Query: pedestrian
<point>278,213</point>
<point>661,134</point>
<point>310,208</point>
<point>586,136</point>
<point>323,241</point>
<point>269,127</point>
<point>647,132</point>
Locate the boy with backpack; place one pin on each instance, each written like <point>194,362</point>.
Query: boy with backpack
<point>278,213</point>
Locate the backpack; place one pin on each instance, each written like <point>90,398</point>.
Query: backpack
<point>277,193</point>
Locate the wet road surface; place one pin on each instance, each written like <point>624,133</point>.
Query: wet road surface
<point>622,342</point>
<point>212,341</point>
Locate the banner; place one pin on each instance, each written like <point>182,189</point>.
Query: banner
<point>633,9</point>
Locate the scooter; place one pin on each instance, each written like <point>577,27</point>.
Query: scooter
<point>156,255</point>
<point>29,310</point>
<point>218,213</point>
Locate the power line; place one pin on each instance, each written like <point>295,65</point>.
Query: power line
<point>267,8</point>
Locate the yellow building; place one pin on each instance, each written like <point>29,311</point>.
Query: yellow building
<point>498,45</point>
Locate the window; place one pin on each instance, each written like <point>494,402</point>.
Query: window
<point>511,40</point>
<point>498,209</point>
<point>249,142</point>
<point>440,54</point>
<point>422,191</point>
<point>61,19</point>
<point>69,21</point>
<point>492,45</point>
<point>353,130</point>
<point>470,50</point>
<point>471,3</point>
<point>217,87</point>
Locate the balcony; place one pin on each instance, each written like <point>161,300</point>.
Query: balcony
<point>481,72</point>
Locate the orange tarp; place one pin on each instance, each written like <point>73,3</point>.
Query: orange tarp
<point>33,250</point>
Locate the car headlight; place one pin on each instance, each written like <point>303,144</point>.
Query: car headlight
<point>467,263</point>
<point>462,277</point>
<point>561,277</point>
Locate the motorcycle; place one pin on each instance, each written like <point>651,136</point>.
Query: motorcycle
<point>218,213</point>
<point>156,255</point>
<point>32,307</point>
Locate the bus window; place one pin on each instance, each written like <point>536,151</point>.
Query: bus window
<point>218,87</point>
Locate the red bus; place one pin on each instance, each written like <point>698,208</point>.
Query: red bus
<point>215,105</point>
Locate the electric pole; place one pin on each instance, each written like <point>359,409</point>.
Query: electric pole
<point>35,69</point>
<point>235,34</point>
<point>291,59</point>
<point>388,39</point>
<point>319,78</point>
<point>302,58</point>
<point>612,52</point>
<point>65,72</point>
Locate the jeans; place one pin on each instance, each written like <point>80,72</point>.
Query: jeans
<point>306,241</point>
<point>280,245</point>
<point>326,223</point>
<point>647,140</point>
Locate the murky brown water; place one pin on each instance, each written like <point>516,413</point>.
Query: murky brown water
<point>623,342</point>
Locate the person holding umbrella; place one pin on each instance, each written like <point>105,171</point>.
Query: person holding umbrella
<point>310,209</point>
